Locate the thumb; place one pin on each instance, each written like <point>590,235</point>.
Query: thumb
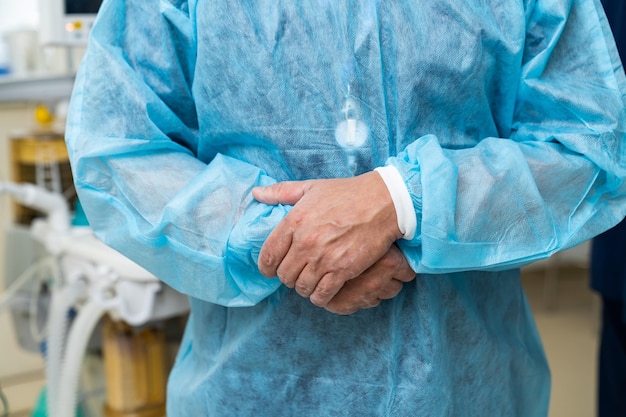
<point>287,192</point>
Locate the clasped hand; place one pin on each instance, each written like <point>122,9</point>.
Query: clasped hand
<point>336,245</point>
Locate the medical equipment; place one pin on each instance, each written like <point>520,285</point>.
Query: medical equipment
<point>66,22</point>
<point>39,156</point>
<point>90,278</point>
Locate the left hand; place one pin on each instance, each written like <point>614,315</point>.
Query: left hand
<point>336,230</point>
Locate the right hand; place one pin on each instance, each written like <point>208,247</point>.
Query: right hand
<point>382,281</point>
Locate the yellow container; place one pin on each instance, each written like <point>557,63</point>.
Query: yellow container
<point>41,158</point>
<point>135,369</point>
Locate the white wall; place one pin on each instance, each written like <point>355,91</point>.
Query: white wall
<point>22,14</point>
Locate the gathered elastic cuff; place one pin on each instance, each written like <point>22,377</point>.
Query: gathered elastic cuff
<point>407,220</point>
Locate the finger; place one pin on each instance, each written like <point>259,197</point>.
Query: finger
<point>350,306</point>
<point>327,287</point>
<point>307,281</point>
<point>290,269</point>
<point>390,290</point>
<point>403,271</point>
<point>287,192</point>
<point>362,291</point>
<point>342,310</point>
<point>405,274</point>
<point>275,249</point>
<point>348,300</point>
<point>368,289</point>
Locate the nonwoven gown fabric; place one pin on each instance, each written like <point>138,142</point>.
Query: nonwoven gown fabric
<point>504,118</point>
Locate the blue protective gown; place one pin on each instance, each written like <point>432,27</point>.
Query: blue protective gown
<point>505,119</point>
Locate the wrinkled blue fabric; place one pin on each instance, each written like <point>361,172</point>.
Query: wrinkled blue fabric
<point>505,119</point>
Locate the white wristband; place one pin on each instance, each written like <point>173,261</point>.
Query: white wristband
<point>407,220</point>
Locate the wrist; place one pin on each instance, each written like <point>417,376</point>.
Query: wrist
<point>405,212</point>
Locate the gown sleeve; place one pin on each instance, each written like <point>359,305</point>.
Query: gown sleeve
<point>554,180</point>
<point>132,135</point>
